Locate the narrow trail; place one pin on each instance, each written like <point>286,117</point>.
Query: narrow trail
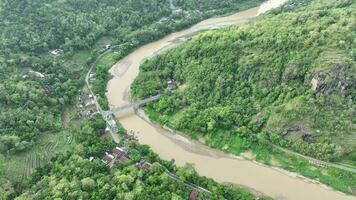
<point>314,161</point>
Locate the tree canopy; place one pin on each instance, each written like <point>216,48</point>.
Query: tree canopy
<point>290,74</point>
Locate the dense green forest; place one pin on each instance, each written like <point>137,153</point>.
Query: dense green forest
<point>289,77</point>
<point>284,80</point>
<point>39,90</point>
<point>292,85</point>
<point>32,104</point>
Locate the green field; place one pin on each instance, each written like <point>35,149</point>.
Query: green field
<point>19,166</point>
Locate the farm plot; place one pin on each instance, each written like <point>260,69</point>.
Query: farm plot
<point>20,166</point>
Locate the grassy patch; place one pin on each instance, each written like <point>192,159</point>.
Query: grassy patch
<point>107,61</point>
<point>81,57</point>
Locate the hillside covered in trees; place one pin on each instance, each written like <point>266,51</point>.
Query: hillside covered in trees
<point>39,91</point>
<point>287,78</point>
<point>36,86</point>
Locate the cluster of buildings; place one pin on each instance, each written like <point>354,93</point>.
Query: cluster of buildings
<point>91,77</point>
<point>87,104</point>
<point>119,155</point>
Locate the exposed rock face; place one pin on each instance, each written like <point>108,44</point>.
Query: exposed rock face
<point>296,130</point>
<point>308,138</point>
<point>337,78</point>
<point>314,83</point>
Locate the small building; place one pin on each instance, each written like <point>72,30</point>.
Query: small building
<point>108,159</point>
<point>107,129</point>
<point>91,77</point>
<point>56,52</point>
<point>171,84</point>
<point>84,113</point>
<point>120,154</point>
<point>106,47</point>
<point>85,99</point>
<point>93,109</point>
<point>143,164</point>
<point>194,195</point>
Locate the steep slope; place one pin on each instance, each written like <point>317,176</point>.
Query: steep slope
<point>37,85</point>
<point>289,78</point>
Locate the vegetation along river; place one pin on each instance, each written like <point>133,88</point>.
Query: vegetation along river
<point>208,162</point>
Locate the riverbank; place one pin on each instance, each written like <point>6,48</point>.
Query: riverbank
<point>207,163</point>
<point>185,141</point>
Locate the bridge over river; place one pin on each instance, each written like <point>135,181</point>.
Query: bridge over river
<point>222,167</point>
<point>132,105</point>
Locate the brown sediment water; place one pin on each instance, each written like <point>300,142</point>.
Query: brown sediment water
<point>208,162</point>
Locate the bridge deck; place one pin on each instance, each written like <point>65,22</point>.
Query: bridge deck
<point>135,104</point>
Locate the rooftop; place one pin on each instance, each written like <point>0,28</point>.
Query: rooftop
<point>193,195</point>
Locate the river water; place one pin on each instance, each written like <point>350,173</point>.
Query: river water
<point>208,162</point>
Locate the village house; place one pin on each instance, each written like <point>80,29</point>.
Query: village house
<point>93,109</point>
<point>120,154</point>
<point>91,77</point>
<point>143,164</point>
<point>56,52</point>
<point>84,113</point>
<point>108,159</point>
<point>87,102</point>
<point>117,154</point>
<point>106,47</point>
<point>85,99</point>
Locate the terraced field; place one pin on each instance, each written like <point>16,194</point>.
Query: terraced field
<point>17,167</point>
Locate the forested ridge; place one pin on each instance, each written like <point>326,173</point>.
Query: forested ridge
<point>289,76</point>
<point>31,29</point>
<point>39,90</point>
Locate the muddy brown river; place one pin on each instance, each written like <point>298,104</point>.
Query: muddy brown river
<point>208,162</point>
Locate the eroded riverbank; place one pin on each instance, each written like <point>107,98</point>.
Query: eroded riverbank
<point>208,162</point>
